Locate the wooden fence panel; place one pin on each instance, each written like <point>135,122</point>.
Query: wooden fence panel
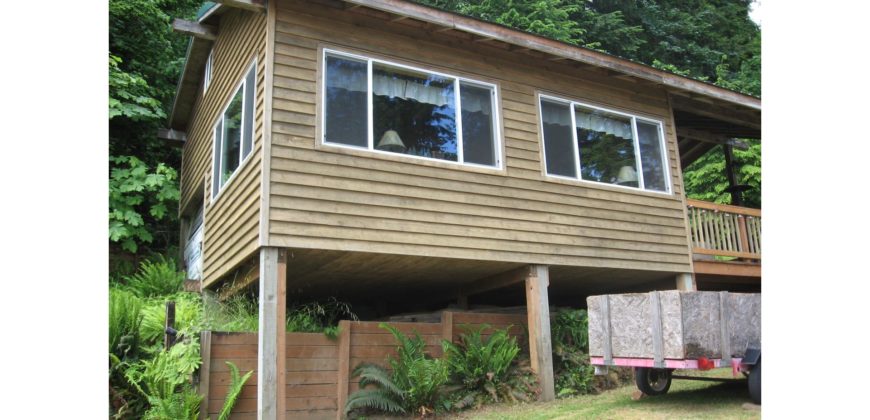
<point>318,369</point>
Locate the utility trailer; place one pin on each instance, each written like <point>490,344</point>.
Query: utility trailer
<point>660,331</point>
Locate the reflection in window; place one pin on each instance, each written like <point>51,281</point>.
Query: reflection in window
<point>233,132</point>
<point>651,156</point>
<point>478,132</point>
<point>413,112</point>
<point>607,146</point>
<point>346,101</point>
<point>558,140</point>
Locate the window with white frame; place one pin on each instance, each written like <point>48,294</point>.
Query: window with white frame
<point>233,132</point>
<point>595,144</point>
<point>209,65</point>
<point>380,106</point>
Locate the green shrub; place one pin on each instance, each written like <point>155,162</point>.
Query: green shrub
<point>188,318</point>
<point>488,370</point>
<point>475,361</point>
<point>125,318</point>
<point>414,385</point>
<point>159,277</point>
<point>236,314</point>
<point>318,316</point>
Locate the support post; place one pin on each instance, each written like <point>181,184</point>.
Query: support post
<point>540,346</point>
<point>686,282</point>
<point>271,355</point>
<point>169,332</point>
<point>204,372</point>
<point>343,389</point>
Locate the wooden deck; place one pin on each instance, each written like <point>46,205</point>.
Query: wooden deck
<point>726,245</point>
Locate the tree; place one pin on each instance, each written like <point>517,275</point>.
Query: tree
<point>145,59</point>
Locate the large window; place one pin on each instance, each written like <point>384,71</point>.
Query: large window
<point>594,144</point>
<point>233,132</point>
<point>374,105</point>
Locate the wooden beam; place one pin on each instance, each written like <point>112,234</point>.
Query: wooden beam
<point>281,315</point>
<point>727,268</point>
<point>686,282</point>
<point>171,135</point>
<point>252,5</point>
<point>194,29</point>
<point>494,282</point>
<point>343,389</point>
<point>540,345</point>
<point>268,351</point>
<point>204,372</point>
<point>723,113</point>
<point>708,137</point>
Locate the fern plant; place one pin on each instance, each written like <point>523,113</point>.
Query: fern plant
<point>156,278</point>
<point>475,361</point>
<point>414,385</point>
<point>125,318</point>
<point>386,396</point>
<point>236,384</point>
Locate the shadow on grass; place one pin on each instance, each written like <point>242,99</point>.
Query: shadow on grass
<point>720,393</point>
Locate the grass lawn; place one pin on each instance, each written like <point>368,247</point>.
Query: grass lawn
<point>686,399</point>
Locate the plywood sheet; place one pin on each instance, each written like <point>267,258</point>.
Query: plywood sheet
<point>691,324</point>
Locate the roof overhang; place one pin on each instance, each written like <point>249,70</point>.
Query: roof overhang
<point>698,105</point>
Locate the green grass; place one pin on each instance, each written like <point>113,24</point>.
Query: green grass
<point>685,400</point>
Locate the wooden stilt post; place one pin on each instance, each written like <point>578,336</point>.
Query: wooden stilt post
<point>540,346</point>
<point>270,357</point>
<point>686,282</point>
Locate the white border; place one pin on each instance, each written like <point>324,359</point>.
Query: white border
<point>633,118</point>
<point>497,138</point>
<point>242,158</point>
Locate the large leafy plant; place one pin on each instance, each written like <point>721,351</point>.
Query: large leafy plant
<point>475,361</point>
<point>157,277</point>
<point>139,199</point>
<point>413,386</point>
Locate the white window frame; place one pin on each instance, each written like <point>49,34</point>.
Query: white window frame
<point>636,143</point>
<point>496,126</point>
<point>217,149</point>
<point>209,68</point>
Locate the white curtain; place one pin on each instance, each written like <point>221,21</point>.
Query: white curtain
<point>559,114</point>
<point>603,124</point>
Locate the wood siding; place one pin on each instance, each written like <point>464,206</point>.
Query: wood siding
<point>231,222</point>
<point>337,198</point>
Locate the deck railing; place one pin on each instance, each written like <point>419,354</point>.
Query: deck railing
<point>723,230</point>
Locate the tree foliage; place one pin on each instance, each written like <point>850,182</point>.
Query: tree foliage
<point>709,40</point>
<point>142,202</point>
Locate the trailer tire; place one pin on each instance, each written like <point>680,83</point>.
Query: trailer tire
<point>652,381</point>
<point>755,383</point>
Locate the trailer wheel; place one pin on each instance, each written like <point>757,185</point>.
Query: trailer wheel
<point>755,383</point>
<point>652,381</point>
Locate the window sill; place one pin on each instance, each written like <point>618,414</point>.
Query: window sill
<point>608,187</point>
<point>409,159</point>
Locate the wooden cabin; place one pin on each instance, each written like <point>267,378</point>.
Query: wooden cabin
<point>405,158</point>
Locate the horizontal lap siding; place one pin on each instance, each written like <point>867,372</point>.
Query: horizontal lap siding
<point>232,220</point>
<point>325,197</point>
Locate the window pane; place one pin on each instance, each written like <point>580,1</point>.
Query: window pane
<point>216,165</point>
<point>232,137</point>
<point>248,134</point>
<point>414,113</point>
<point>346,102</point>
<point>606,147</point>
<point>558,141</point>
<point>651,156</point>
<point>477,124</point>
